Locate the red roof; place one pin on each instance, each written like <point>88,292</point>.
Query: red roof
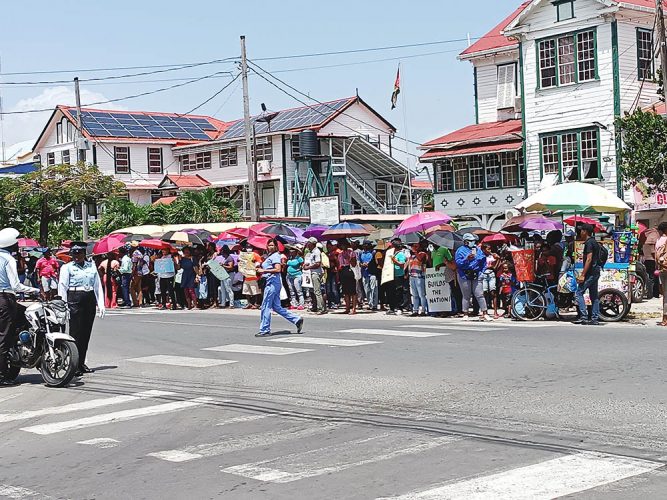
<point>165,200</point>
<point>494,39</point>
<point>483,132</point>
<point>495,147</point>
<point>188,181</point>
<point>657,107</point>
<point>420,184</point>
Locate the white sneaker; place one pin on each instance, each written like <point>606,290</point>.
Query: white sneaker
<point>487,317</point>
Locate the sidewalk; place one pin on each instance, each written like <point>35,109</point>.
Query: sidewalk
<point>646,310</point>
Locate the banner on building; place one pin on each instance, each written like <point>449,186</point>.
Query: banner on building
<point>438,291</point>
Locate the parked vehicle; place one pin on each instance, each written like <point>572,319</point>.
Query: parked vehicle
<point>536,300</point>
<point>42,343</point>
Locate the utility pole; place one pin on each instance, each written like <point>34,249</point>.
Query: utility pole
<point>79,154</point>
<point>662,41</point>
<point>252,171</point>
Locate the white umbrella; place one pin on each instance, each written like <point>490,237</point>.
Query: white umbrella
<point>574,197</point>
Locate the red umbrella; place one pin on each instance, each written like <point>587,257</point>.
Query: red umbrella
<point>108,243</point>
<point>495,238</point>
<point>245,232</point>
<point>578,219</point>
<point>420,222</point>
<point>155,244</point>
<point>226,236</point>
<point>263,241</point>
<point>28,243</point>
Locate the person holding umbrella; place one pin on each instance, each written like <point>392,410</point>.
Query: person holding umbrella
<point>80,286</point>
<point>271,271</point>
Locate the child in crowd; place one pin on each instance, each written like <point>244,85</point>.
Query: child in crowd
<point>488,278</point>
<point>507,283</point>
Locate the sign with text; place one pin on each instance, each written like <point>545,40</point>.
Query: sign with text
<point>438,291</point>
<point>164,266</point>
<point>217,270</point>
<point>325,210</point>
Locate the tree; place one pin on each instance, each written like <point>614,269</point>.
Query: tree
<point>644,150</point>
<point>49,193</point>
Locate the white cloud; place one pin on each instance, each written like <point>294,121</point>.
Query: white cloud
<point>27,126</point>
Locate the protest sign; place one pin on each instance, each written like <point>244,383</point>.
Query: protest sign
<point>438,291</point>
<point>217,270</point>
<point>164,266</point>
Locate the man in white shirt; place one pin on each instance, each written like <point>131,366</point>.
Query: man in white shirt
<point>313,263</point>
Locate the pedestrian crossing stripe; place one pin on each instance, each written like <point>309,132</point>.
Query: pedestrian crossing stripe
<point>257,349</point>
<point>485,327</point>
<point>100,442</point>
<point>163,359</point>
<point>395,333</point>
<point>324,341</point>
<point>550,479</point>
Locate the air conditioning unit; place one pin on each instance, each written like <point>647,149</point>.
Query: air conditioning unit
<point>264,167</point>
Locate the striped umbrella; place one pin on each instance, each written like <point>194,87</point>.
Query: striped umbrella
<point>182,237</point>
<point>345,230</point>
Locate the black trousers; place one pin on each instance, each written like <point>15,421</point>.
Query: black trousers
<point>81,318</point>
<point>395,293</point>
<point>7,329</point>
<point>167,289</point>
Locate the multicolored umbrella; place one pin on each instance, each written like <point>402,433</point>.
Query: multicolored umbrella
<point>182,237</point>
<point>28,243</point>
<point>345,230</point>
<point>419,223</point>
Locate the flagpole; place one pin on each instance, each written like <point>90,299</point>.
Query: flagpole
<point>405,136</point>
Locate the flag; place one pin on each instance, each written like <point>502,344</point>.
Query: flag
<point>397,88</point>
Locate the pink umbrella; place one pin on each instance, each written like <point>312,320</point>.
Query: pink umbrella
<point>263,241</point>
<point>109,243</point>
<point>28,242</point>
<point>495,238</point>
<point>419,223</point>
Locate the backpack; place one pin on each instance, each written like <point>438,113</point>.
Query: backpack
<point>661,258</point>
<point>603,255</point>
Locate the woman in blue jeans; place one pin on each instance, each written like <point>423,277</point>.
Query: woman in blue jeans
<point>294,278</point>
<point>417,268</point>
<point>271,271</point>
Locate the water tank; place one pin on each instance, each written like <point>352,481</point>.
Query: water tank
<point>309,145</point>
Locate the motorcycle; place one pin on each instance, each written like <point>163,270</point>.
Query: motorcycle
<point>42,343</point>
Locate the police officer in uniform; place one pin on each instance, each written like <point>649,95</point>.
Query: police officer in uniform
<point>80,286</point>
<point>9,287</point>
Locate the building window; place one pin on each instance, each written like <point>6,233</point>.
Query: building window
<point>460,170</point>
<point>509,170</point>
<point>264,150</point>
<point>70,131</point>
<point>644,54</point>
<point>185,163</point>
<point>59,133</point>
<point>381,191</point>
<point>572,155</point>
<point>492,165</point>
<point>444,177</point>
<point>564,10</point>
<point>506,86</point>
<point>203,160</point>
<point>228,157</point>
<point>121,156</point>
<point>295,147</point>
<point>50,159</point>
<point>567,59</point>
<point>476,172</point>
<point>154,160</point>
<point>65,155</point>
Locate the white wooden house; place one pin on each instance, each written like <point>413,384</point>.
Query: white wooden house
<point>564,70</point>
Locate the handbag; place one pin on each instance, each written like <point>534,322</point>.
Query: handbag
<point>470,274</point>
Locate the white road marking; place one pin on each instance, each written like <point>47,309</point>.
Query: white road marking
<point>323,341</point>
<point>321,461</point>
<point>238,443</point>
<point>256,349</point>
<point>10,396</point>
<point>179,323</point>
<point>247,418</point>
<point>395,333</point>
<point>85,405</point>
<point>163,359</point>
<point>9,491</point>
<point>101,442</point>
<point>545,480</point>
<point>119,416</point>
<point>484,327</point>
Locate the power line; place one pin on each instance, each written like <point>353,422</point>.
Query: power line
<point>213,96</point>
<point>134,96</point>
<point>333,109</point>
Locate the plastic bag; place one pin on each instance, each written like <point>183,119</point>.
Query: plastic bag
<point>567,283</point>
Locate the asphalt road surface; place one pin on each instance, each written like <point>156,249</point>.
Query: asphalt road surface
<point>190,405</point>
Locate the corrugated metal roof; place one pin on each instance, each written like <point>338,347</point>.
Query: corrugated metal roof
<point>480,132</point>
<point>495,147</point>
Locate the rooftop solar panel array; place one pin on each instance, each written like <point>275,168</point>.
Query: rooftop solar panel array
<point>109,124</point>
<point>291,119</point>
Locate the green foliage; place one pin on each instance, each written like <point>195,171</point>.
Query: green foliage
<point>191,207</point>
<point>644,153</point>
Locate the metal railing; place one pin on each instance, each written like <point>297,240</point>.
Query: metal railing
<point>366,193</point>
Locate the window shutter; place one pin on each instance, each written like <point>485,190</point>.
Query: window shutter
<point>506,86</point>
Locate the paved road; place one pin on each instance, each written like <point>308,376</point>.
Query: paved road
<point>191,404</point>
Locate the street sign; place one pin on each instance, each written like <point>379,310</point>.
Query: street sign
<point>325,210</point>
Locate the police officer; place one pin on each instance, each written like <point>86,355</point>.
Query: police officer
<point>80,286</point>
<point>9,287</point>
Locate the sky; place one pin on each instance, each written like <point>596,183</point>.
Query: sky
<point>436,88</point>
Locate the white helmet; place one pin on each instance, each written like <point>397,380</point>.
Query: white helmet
<point>8,237</point>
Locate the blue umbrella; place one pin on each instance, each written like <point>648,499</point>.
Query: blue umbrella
<point>345,230</point>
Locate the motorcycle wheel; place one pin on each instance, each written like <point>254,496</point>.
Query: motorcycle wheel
<point>614,305</point>
<point>638,289</point>
<point>60,371</point>
<point>531,302</point>
<point>13,372</point>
